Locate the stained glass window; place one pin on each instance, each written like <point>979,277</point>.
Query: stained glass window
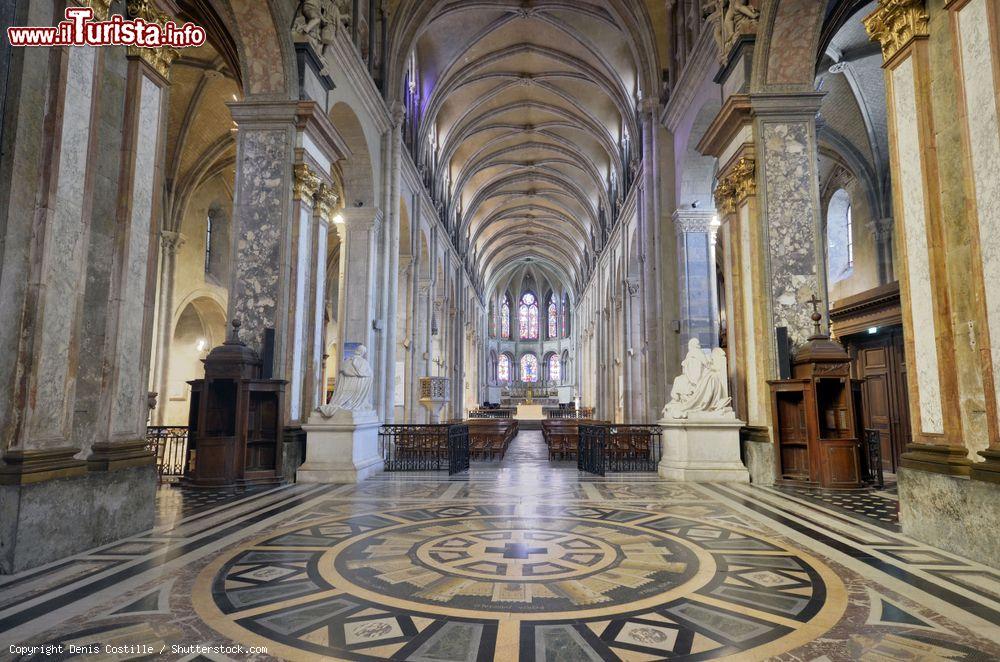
<point>565,317</point>
<point>527,317</point>
<point>505,319</point>
<point>529,367</point>
<point>503,368</point>
<point>553,319</point>
<point>554,368</point>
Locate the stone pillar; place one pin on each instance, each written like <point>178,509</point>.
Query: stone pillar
<point>358,248</point>
<point>902,28</point>
<point>392,261</point>
<point>633,361</point>
<point>696,269</point>
<point>882,231</point>
<point>129,330</point>
<point>788,188</point>
<point>326,207</point>
<point>306,185</point>
<point>974,31</point>
<point>263,222</point>
<point>170,243</point>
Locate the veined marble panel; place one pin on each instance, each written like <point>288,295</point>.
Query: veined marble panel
<point>749,339</point>
<point>130,392</point>
<point>319,330</point>
<point>303,258</point>
<point>264,171</point>
<point>64,253</point>
<point>984,135</point>
<point>921,296</point>
<point>791,225</point>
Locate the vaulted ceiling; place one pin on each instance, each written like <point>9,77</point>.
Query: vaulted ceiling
<point>526,109</point>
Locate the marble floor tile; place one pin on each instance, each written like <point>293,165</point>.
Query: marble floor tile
<point>517,560</point>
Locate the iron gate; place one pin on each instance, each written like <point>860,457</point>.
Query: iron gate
<point>590,449</point>
<point>607,447</point>
<point>424,447</point>
<point>458,449</point>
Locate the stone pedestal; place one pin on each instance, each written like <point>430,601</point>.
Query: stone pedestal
<point>341,449</point>
<point>702,448</point>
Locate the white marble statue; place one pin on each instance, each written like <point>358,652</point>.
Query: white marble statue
<point>354,386</point>
<point>702,386</point>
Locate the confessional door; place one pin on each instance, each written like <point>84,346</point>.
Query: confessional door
<point>879,361</point>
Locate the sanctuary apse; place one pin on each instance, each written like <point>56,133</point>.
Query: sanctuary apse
<point>353,331</point>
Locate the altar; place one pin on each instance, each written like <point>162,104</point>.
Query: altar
<point>529,412</point>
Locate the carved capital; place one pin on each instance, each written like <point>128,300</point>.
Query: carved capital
<point>744,179</point>
<point>161,58</point>
<point>171,242</point>
<point>326,202</point>
<point>306,182</point>
<point>895,23</point>
<point>398,115</point>
<point>725,196</point>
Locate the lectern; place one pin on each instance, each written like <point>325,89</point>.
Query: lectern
<point>235,420</point>
<point>817,416</point>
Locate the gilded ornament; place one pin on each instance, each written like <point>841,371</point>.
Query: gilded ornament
<point>306,182</point>
<point>326,202</point>
<point>725,196</point>
<point>895,23</point>
<point>160,58</point>
<point>744,179</point>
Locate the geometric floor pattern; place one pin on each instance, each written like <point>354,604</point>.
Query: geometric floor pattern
<point>523,561</point>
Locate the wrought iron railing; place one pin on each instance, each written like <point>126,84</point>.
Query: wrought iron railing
<point>618,447</point>
<point>873,455</point>
<point>170,443</point>
<point>582,414</point>
<point>590,455</point>
<point>492,413</point>
<point>424,447</point>
<point>458,449</point>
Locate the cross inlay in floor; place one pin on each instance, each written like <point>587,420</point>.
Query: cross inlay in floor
<point>516,550</point>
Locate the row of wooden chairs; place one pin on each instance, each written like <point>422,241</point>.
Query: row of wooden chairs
<point>489,438</point>
<point>562,436</point>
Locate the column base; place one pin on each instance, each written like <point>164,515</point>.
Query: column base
<point>758,454</point>
<point>951,512</point>
<point>949,459</point>
<point>44,521</point>
<point>989,470</point>
<point>342,449</point>
<point>702,449</point>
<point>112,456</point>
<point>23,467</point>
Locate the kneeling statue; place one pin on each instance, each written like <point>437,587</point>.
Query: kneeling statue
<point>354,385</point>
<point>703,386</point>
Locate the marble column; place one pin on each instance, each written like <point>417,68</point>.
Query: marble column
<point>306,185</point>
<point>937,446</point>
<point>42,325</point>
<point>974,31</point>
<point>392,261</point>
<point>263,221</point>
<point>634,364</point>
<point>788,189</point>
<point>122,435</point>
<point>326,209</point>
<point>170,243</point>
<point>696,270</point>
<point>358,301</point>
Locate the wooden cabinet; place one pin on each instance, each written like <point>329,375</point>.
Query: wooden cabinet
<point>817,418</point>
<point>235,419</point>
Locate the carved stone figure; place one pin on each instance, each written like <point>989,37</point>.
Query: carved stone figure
<point>317,21</point>
<point>729,19</point>
<point>354,386</point>
<point>702,386</point>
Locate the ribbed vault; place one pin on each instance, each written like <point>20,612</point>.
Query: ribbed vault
<point>527,128</point>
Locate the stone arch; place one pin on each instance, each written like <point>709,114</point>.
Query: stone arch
<point>198,326</point>
<point>788,37</point>
<point>357,169</point>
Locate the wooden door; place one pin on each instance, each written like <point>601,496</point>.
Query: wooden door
<point>874,362</point>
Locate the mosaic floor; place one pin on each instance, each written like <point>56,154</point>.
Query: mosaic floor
<point>517,561</point>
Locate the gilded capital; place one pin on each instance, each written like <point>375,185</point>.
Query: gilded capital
<point>306,182</point>
<point>744,179</point>
<point>326,202</point>
<point>895,23</point>
<point>160,58</point>
<point>725,196</point>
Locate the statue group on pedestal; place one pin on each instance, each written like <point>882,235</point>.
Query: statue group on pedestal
<point>702,386</point>
<point>317,21</point>
<point>729,19</point>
